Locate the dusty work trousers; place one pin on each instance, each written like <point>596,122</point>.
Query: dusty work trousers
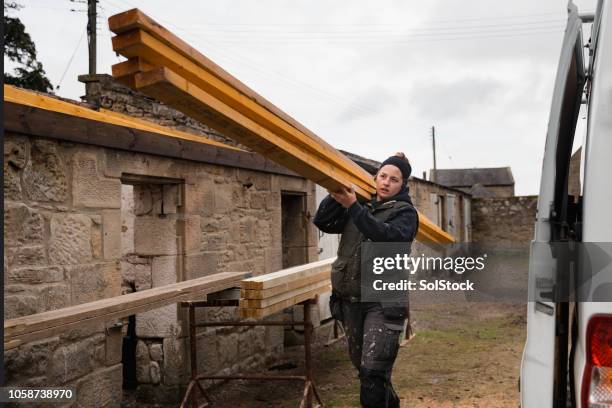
<point>373,342</point>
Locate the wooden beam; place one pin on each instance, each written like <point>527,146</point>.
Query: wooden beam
<point>285,287</point>
<point>26,116</point>
<point>288,294</point>
<point>139,44</point>
<point>198,81</point>
<point>172,89</point>
<point>135,19</point>
<point>277,307</point>
<point>288,275</point>
<point>41,325</point>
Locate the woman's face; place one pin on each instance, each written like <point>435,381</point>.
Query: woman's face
<point>388,182</point>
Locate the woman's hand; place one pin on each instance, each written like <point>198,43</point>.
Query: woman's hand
<point>346,196</point>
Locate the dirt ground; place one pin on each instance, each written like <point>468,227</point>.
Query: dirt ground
<point>463,355</point>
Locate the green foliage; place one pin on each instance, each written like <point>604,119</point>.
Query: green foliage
<point>19,47</point>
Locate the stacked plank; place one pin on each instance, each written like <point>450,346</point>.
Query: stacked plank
<point>166,68</point>
<point>101,312</point>
<point>270,293</point>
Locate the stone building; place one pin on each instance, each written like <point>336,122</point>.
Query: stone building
<point>479,182</point>
<point>86,219</point>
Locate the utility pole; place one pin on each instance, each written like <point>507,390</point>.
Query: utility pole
<point>433,143</point>
<point>91,34</point>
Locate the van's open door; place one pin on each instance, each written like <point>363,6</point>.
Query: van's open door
<point>544,366</point>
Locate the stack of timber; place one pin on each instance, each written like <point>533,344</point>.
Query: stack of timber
<point>266,294</point>
<point>164,67</point>
<point>106,311</point>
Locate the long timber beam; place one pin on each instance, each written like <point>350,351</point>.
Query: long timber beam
<point>52,323</point>
<point>163,66</point>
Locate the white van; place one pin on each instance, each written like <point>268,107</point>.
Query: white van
<point>567,359</point>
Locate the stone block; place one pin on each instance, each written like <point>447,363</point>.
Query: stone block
<point>208,356</point>
<point>72,361</point>
<point>35,274</point>
<point>101,389</point>
<point>28,256</point>
<point>202,264</point>
<point>192,231</point>
<point>22,225</point>
<point>228,349</point>
<point>53,296</point>
<point>94,281</point>
<point>155,372</point>
<point>113,346</point>
<point>170,198</point>
<point>15,151</point>
<point>273,200</point>
<point>45,176</point>
<point>89,188</point>
<point>199,197</point>
<point>175,365</point>
<point>155,236</point>
<point>163,270</point>
<point>18,305</point>
<point>160,322</point>
<point>245,344</point>
<point>111,229</point>
<point>29,360</point>
<point>273,259</point>
<point>156,352</point>
<point>12,183</point>
<point>70,239</point>
<point>257,200</point>
<point>223,198</point>
<point>261,181</point>
<point>143,360</point>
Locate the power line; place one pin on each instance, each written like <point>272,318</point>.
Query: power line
<point>71,58</point>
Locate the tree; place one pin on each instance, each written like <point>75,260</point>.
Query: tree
<point>19,47</point>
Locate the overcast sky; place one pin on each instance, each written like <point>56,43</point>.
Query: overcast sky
<point>369,77</point>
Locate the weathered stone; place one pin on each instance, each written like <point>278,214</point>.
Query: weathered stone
<point>175,361</point>
<point>163,270</point>
<point>22,225</point>
<point>34,275</point>
<point>72,361</point>
<point>258,200</point>
<point>94,281</point>
<point>160,322</point>
<point>273,259</point>
<point>15,152</point>
<point>89,188</point>
<point>70,240</point>
<point>201,264</point>
<point>155,372</point>
<point>162,230</point>
<point>101,388</point>
<point>228,349</point>
<point>96,240</point>
<point>29,360</point>
<point>170,198</point>
<point>208,357</point>
<point>112,234</point>
<point>52,297</point>
<point>156,352</point>
<point>192,231</point>
<point>143,372</point>
<point>19,305</point>
<point>113,346</point>
<point>44,177</point>
<point>223,198</point>
<point>12,183</point>
<point>245,344</point>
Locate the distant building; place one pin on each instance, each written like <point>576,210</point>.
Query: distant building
<point>479,182</point>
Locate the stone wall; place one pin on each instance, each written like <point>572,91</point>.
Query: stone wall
<point>84,223</point>
<point>433,199</point>
<point>504,221</point>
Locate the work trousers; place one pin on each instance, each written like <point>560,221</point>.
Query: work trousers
<point>373,335</point>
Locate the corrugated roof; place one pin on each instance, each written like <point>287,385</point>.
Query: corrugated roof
<point>492,176</point>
